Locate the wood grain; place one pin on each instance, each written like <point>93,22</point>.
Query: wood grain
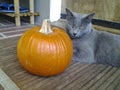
<point>78,76</point>
<point>6,82</point>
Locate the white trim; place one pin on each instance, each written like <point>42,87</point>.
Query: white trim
<point>6,82</point>
<point>14,31</point>
<point>2,35</point>
<point>10,36</point>
<point>2,24</point>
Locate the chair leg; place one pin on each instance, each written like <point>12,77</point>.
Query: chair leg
<point>31,4</point>
<point>17,13</point>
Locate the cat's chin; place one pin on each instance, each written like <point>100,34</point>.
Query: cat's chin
<point>75,37</point>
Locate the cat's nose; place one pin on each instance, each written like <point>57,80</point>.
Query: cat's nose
<point>74,34</point>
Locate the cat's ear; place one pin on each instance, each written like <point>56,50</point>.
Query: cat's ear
<point>89,18</point>
<point>69,14</point>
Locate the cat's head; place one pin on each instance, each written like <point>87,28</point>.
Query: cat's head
<point>78,24</point>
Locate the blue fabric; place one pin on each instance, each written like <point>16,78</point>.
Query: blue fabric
<point>10,8</point>
<point>4,6</point>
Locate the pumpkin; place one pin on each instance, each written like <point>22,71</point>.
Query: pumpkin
<point>45,50</point>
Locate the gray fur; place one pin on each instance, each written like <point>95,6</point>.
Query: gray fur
<point>90,45</point>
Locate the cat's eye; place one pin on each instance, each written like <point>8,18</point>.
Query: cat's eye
<point>72,25</point>
<point>82,27</point>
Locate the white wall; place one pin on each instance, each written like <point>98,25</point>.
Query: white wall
<point>55,9</point>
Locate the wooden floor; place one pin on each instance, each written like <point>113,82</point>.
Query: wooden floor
<point>13,31</point>
<point>78,76</point>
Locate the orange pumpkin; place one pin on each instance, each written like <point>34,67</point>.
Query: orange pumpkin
<point>45,51</point>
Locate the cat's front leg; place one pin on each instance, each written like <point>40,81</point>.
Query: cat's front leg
<point>83,55</point>
<point>75,52</point>
<point>74,58</point>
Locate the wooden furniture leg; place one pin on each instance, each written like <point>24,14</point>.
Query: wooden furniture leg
<point>31,6</point>
<point>17,12</point>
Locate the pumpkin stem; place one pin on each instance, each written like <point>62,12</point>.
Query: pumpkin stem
<point>46,27</point>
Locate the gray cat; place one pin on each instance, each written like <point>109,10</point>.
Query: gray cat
<point>90,45</point>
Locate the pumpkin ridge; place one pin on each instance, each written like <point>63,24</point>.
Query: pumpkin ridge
<point>22,38</point>
<point>48,40</point>
<point>58,61</point>
<point>65,50</point>
<point>64,41</point>
<point>52,70</point>
<point>53,42</point>
<point>59,52</point>
<point>29,50</point>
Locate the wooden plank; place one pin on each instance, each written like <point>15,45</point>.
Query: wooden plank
<point>113,86</point>
<point>15,28</point>
<point>117,87</point>
<point>39,82</point>
<point>11,51</point>
<point>21,14</point>
<point>29,80</point>
<point>17,13</point>
<point>36,13</point>
<point>14,32</point>
<point>8,14</point>
<point>5,66</point>
<point>1,88</point>
<point>1,35</point>
<point>78,76</point>
<point>94,80</point>
<point>66,75</point>
<point>85,78</point>
<point>70,77</point>
<point>103,79</point>
<point>43,81</point>
<point>11,36</point>
<point>4,43</point>
<point>109,81</point>
<point>6,82</point>
<point>31,4</point>
<point>24,77</point>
